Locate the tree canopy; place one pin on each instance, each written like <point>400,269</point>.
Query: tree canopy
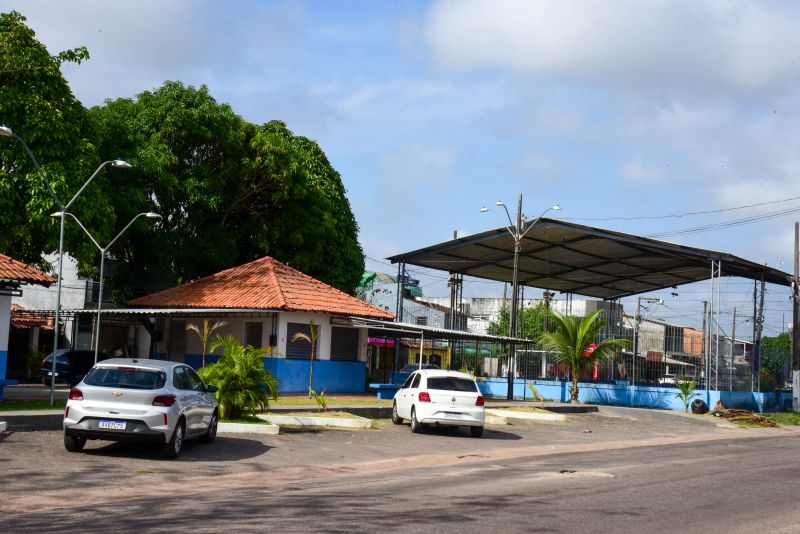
<point>530,322</point>
<point>38,105</point>
<point>229,192</point>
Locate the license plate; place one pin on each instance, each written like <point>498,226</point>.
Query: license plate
<point>452,415</point>
<point>113,425</point>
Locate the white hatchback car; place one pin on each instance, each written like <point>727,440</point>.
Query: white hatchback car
<point>439,397</point>
<point>140,400</point>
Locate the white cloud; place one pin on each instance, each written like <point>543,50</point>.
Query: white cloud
<point>659,44</point>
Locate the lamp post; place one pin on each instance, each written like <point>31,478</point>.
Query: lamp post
<point>5,131</point>
<point>636,333</point>
<point>103,250</point>
<point>517,232</point>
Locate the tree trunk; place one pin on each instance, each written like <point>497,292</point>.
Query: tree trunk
<point>574,396</point>
<point>311,375</point>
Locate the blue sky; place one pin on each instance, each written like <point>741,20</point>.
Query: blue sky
<point>430,110</point>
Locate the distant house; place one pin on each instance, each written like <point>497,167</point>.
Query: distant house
<point>265,303</point>
<point>13,276</point>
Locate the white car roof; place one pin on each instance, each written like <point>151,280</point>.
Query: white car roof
<point>444,372</point>
<point>141,362</point>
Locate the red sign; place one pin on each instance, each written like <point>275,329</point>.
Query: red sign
<point>589,349</point>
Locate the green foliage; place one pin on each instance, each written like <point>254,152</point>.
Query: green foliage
<point>319,398</point>
<point>535,395</point>
<point>467,370</point>
<point>569,341</point>
<point>686,391</point>
<point>776,353</point>
<point>38,105</point>
<point>229,192</point>
<point>530,322</point>
<point>244,385</point>
<point>205,334</point>
<point>765,380</point>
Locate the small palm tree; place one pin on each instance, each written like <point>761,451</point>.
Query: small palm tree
<point>686,391</point>
<point>244,385</point>
<point>312,340</point>
<point>570,340</point>
<point>205,334</point>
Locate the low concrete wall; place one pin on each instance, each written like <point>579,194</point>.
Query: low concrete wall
<point>636,396</point>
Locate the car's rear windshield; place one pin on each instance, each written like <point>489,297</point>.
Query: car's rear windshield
<point>452,383</point>
<point>126,377</point>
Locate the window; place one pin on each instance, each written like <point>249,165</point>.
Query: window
<point>415,383</point>
<point>179,379</point>
<point>252,334</point>
<point>177,338</point>
<point>422,321</point>
<point>300,349</point>
<point>408,382</point>
<point>126,377</point>
<point>344,343</point>
<point>195,384</point>
<point>450,383</point>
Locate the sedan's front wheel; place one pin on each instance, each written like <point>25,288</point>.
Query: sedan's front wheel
<point>416,426</point>
<point>74,443</point>
<point>211,433</point>
<point>173,447</point>
<point>396,419</point>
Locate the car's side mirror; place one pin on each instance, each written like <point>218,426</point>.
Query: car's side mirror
<point>211,388</point>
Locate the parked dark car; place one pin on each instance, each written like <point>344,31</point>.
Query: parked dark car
<point>71,365</point>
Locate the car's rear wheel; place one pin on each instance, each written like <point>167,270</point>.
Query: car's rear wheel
<point>396,419</point>
<point>74,443</point>
<point>416,426</point>
<point>173,447</point>
<point>476,431</point>
<point>211,433</point>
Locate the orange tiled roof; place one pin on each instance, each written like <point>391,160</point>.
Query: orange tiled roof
<point>11,269</point>
<point>266,284</point>
<point>21,317</point>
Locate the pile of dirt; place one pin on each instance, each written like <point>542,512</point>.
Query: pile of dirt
<point>744,416</point>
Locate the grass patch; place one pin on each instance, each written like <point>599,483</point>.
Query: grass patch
<point>783,418</point>
<point>247,420</point>
<point>337,415</point>
<point>332,401</point>
<point>10,405</point>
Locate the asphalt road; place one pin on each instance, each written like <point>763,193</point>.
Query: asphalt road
<point>635,472</point>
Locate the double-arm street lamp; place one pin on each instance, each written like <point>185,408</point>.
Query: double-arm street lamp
<point>103,250</point>
<point>517,231</point>
<point>6,132</point>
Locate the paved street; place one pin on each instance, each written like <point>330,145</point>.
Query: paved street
<point>626,470</point>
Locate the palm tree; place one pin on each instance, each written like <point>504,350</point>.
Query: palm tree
<point>686,391</point>
<point>205,334</point>
<point>311,340</point>
<point>244,385</point>
<point>570,341</point>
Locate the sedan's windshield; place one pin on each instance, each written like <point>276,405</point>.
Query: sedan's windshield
<point>126,377</point>
<point>452,383</point>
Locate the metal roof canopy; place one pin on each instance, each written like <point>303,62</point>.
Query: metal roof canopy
<point>389,329</point>
<point>168,312</point>
<point>572,258</point>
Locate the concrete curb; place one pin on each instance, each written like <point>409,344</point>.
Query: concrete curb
<point>3,426</point>
<point>34,420</point>
<point>248,428</point>
<point>532,416</point>
<point>334,422</point>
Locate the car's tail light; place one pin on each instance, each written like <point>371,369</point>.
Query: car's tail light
<point>132,369</point>
<point>480,401</point>
<point>75,394</point>
<point>424,396</point>
<point>166,422</point>
<point>164,400</point>
<point>44,362</point>
<point>66,414</point>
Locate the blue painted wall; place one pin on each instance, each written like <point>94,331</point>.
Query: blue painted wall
<point>638,396</point>
<point>3,363</point>
<point>329,376</point>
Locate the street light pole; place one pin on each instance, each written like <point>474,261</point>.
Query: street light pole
<point>517,233</point>
<point>5,131</point>
<point>103,250</point>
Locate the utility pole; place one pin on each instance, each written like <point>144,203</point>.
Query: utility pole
<point>705,341</point>
<point>795,318</point>
<point>733,344</point>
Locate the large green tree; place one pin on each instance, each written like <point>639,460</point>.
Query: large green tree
<point>530,322</point>
<point>229,192</point>
<point>38,105</point>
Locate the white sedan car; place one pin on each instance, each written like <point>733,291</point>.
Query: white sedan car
<point>438,397</point>
<point>141,400</point>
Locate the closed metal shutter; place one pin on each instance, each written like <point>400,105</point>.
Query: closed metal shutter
<point>300,349</point>
<point>344,343</point>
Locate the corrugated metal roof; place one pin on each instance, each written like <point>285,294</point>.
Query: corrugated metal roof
<point>16,271</point>
<point>572,258</point>
<point>261,284</point>
<point>393,329</point>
